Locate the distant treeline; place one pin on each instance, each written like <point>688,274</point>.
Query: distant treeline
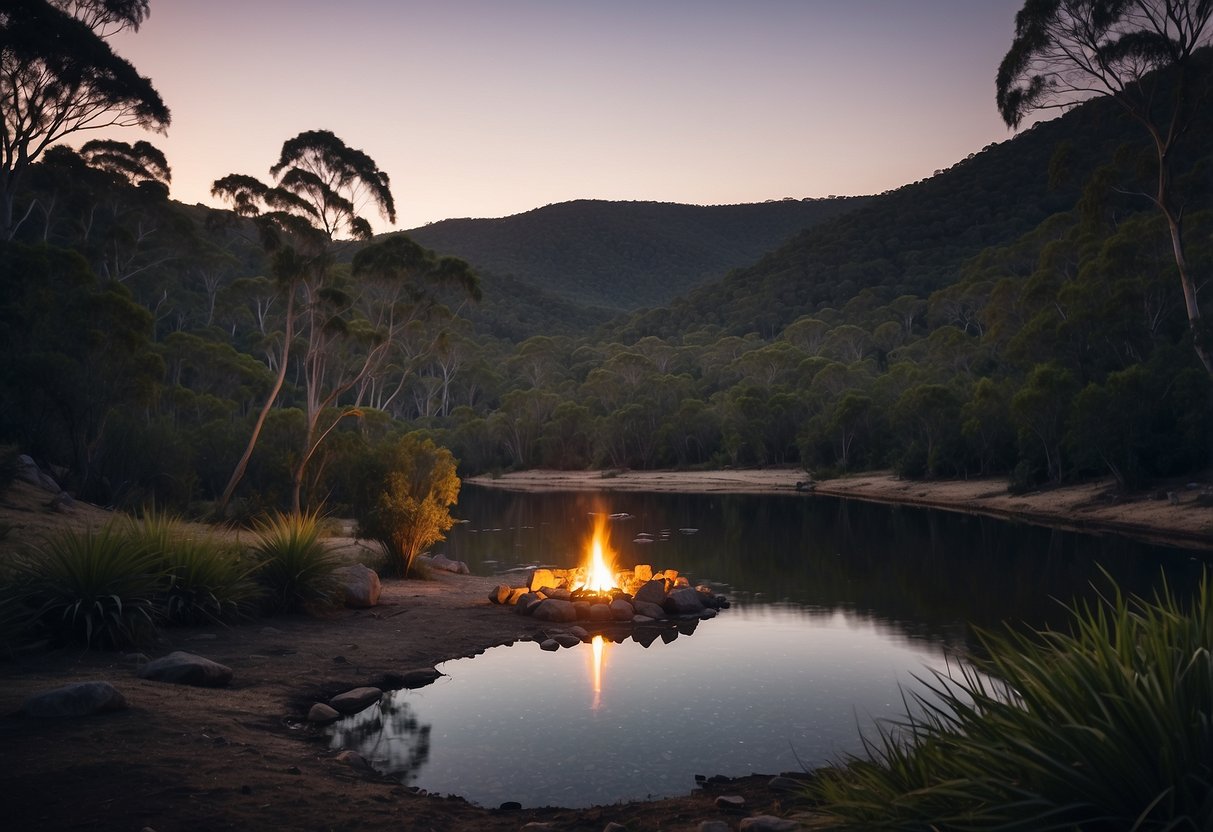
<point>1016,314</point>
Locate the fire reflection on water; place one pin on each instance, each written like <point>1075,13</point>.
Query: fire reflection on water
<point>598,644</point>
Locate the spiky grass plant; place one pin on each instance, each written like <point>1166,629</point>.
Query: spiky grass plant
<point>96,586</point>
<point>1109,726</point>
<point>294,564</point>
<point>205,579</point>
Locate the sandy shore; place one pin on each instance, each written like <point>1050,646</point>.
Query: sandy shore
<point>1177,519</point>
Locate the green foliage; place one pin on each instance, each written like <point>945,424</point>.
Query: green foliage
<point>294,564</point>
<point>1109,726</point>
<point>409,495</point>
<point>204,579</point>
<point>96,587</point>
<point>622,255</point>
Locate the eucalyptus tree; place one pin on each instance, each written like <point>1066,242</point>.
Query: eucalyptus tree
<point>1145,55</point>
<point>345,319</point>
<point>58,76</point>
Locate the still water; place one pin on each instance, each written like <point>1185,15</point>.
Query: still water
<point>838,608</point>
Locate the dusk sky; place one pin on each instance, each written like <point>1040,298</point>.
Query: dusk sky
<point>486,108</point>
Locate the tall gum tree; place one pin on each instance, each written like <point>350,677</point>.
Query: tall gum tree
<point>58,76</point>
<point>345,319</point>
<point>1146,55</point>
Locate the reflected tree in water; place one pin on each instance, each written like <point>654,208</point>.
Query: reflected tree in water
<point>389,736</point>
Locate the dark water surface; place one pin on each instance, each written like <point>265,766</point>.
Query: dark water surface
<point>838,606</point>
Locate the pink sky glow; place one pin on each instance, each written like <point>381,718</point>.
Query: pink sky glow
<point>486,108</point>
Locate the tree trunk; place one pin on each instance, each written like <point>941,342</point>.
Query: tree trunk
<point>242,465</point>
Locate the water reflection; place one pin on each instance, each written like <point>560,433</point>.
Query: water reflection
<point>933,575</point>
<point>762,693</point>
<point>838,606</point>
<point>388,735</point>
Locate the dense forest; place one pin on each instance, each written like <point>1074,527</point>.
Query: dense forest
<point>1017,314</point>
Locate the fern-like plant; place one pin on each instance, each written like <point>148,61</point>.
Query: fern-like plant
<point>97,586</point>
<point>1107,726</point>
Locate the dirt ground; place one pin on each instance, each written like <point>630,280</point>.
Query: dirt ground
<point>183,758</point>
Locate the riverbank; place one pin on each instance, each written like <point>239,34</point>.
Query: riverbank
<point>243,757</point>
<point>1176,514</point>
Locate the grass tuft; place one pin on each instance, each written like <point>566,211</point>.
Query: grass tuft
<point>205,579</point>
<point>96,587</point>
<point>294,564</point>
<point>1108,726</point>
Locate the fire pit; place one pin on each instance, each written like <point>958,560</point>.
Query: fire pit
<point>604,599</point>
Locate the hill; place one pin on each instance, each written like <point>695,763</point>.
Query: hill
<point>626,255</point>
<point>914,239</point>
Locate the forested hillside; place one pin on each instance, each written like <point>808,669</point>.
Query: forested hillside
<point>1018,314</point>
<point>625,255</point>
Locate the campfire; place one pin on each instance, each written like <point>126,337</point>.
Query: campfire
<point>607,600</point>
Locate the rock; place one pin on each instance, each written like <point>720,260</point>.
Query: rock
<point>652,592</point>
<point>714,826</point>
<point>621,610</point>
<point>526,601</point>
<point>322,714</point>
<point>643,573</point>
<point>768,823</point>
<point>354,760</point>
<point>706,614</point>
<point>360,584</point>
<point>541,578</point>
<point>549,644</point>
<point>683,600</point>
<point>558,593</point>
<point>730,802</point>
<point>78,699</point>
<point>181,668</point>
<point>600,612</point>
<point>500,594</point>
<point>645,637</point>
<point>583,610</point>
<point>29,471</point>
<point>444,563</point>
<point>614,827</point>
<point>682,580</point>
<point>642,619</point>
<point>553,609</point>
<point>566,639</point>
<point>417,678</point>
<point>649,609</point>
<point>580,632</point>
<point>353,701</point>
<point>510,806</point>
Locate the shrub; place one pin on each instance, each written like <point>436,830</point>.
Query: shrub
<point>98,587</point>
<point>205,579</point>
<point>293,563</point>
<point>1107,727</point>
<point>408,505</point>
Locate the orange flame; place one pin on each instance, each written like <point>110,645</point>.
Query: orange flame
<point>600,571</point>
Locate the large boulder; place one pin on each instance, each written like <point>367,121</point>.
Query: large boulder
<point>79,699</point>
<point>181,668</point>
<point>444,563</point>
<point>360,584</point>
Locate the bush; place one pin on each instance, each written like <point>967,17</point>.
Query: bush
<point>293,563</point>
<point>205,580</point>
<point>97,587</point>
<point>1110,727</point>
<point>407,507</point>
